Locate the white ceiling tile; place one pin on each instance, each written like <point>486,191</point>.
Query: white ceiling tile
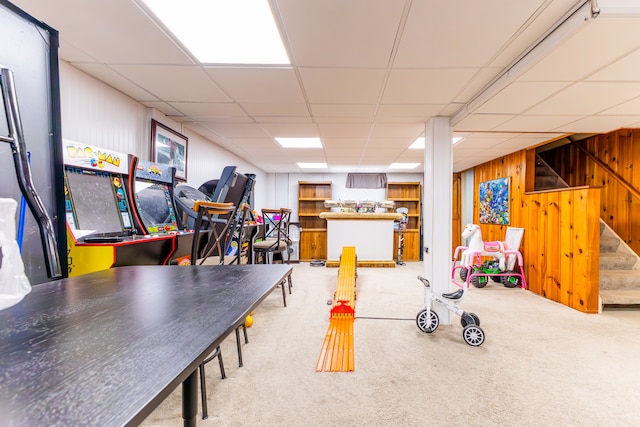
<point>624,69</point>
<point>341,158</point>
<point>401,143</point>
<point>425,86</point>
<point>335,33</point>
<point>587,98</point>
<point>209,109</point>
<point>273,109</point>
<point>229,130</point>
<point>343,110</point>
<point>518,97</point>
<point>547,14</point>
<point>631,108</point>
<point>342,86</point>
<point>258,85</point>
<point>481,122</point>
<point>598,124</point>
<point>163,107</point>
<point>115,80</point>
<point>535,123</point>
<point>282,119</point>
<point>356,144</point>
<point>289,130</point>
<point>345,120</point>
<point>423,112</point>
<point>524,141</point>
<point>105,31</point>
<point>475,84</point>
<point>595,45</point>
<point>386,130</point>
<point>346,130</point>
<point>174,83</point>
<point>428,23</point>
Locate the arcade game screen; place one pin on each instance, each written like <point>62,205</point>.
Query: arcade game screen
<point>155,207</point>
<point>94,202</point>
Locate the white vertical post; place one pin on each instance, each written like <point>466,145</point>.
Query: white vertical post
<point>436,208</point>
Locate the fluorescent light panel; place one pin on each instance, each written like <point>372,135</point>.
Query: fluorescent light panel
<point>299,142</point>
<point>223,32</point>
<point>403,165</point>
<point>312,165</point>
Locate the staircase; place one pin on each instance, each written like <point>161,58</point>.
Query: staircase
<point>546,177</point>
<point>619,271</point>
<point>619,265</point>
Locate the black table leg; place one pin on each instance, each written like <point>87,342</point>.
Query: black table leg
<point>190,400</point>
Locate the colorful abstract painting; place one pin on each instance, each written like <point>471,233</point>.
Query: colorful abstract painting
<point>494,201</point>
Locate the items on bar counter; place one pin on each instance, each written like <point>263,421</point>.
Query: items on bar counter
<point>361,206</point>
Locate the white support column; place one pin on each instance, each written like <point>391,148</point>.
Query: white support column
<point>436,211</point>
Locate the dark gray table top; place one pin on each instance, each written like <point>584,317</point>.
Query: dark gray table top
<point>107,347</point>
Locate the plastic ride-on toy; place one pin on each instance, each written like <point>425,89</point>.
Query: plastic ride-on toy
<point>428,321</point>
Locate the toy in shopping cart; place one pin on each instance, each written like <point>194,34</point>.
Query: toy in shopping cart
<point>500,268</point>
<point>428,320</point>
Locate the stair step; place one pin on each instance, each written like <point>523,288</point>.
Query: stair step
<point>546,180</point>
<point>620,297</point>
<point>619,279</point>
<point>609,244</point>
<point>616,261</point>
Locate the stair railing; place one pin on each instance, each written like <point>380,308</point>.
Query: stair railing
<point>634,191</point>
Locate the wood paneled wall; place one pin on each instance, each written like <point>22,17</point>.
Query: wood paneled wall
<point>456,212</point>
<point>561,242</point>
<point>620,151</point>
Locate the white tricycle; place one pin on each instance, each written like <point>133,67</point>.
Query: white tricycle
<point>428,321</point>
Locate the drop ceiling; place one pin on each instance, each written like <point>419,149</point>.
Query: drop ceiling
<point>366,75</point>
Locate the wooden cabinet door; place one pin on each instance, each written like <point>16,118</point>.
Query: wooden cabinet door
<point>313,245</point>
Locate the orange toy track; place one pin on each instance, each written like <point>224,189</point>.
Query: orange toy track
<point>337,350</point>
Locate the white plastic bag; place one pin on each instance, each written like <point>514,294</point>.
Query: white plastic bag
<point>14,284</point>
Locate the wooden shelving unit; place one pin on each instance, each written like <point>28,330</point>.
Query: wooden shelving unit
<point>408,195</point>
<point>313,238</point>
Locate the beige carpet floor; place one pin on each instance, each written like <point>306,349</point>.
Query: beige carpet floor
<point>542,364</point>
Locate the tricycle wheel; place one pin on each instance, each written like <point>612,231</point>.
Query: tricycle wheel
<point>497,279</point>
<point>473,335</point>
<point>427,325</point>
<point>468,318</point>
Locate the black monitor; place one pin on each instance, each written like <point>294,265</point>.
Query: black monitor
<point>155,206</point>
<point>153,195</point>
<point>96,201</point>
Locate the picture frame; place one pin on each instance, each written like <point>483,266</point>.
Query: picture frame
<point>169,147</point>
<point>494,198</point>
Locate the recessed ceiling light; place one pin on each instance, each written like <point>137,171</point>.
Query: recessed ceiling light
<point>312,165</point>
<point>299,142</point>
<point>403,165</point>
<point>223,32</point>
<point>418,144</point>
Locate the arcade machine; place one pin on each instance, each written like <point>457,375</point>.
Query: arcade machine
<point>150,190</point>
<point>100,229</point>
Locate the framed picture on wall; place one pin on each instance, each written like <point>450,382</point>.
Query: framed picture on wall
<point>169,147</point>
<point>494,201</point>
